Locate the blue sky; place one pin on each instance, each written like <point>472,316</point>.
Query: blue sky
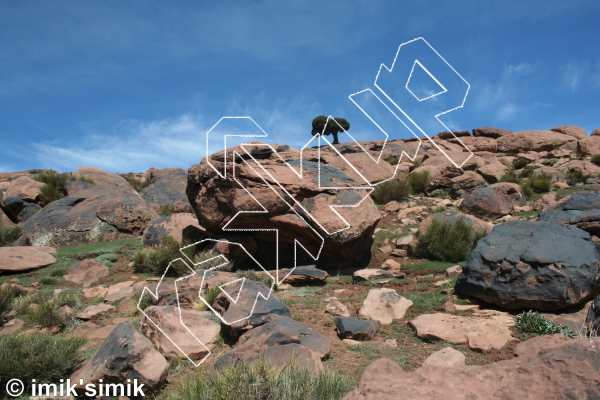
<point>129,85</point>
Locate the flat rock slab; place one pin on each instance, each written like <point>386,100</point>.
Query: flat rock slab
<point>95,309</point>
<point>301,274</point>
<point>568,371</point>
<point>182,333</point>
<point>356,329</point>
<point>371,273</point>
<point>95,292</point>
<point>86,272</point>
<point>11,326</point>
<point>24,258</point>
<point>384,305</point>
<point>481,334</point>
<point>91,331</point>
<point>118,291</point>
<point>444,358</point>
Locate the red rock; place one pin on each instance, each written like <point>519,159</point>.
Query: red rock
<point>447,357</point>
<point>384,305</point>
<point>24,258</point>
<point>86,272</point>
<point>571,130</point>
<point>521,142</point>
<point>178,226</point>
<point>487,131</point>
<point>95,309</point>
<point>24,188</point>
<point>480,143</point>
<point>589,146</point>
<point>100,177</point>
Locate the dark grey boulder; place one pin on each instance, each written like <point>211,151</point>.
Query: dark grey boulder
<point>268,341</point>
<point>356,329</point>
<point>168,190</point>
<point>250,302</point>
<point>487,203</point>
<point>581,210</point>
<point>18,210</point>
<point>490,132</point>
<point>532,265</point>
<point>592,320</point>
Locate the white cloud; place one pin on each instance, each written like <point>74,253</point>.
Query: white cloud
<point>135,146</point>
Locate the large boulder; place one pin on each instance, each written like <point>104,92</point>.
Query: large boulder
<point>478,143</point>
<point>17,209</point>
<point>488,203</point>
<point>581,210</point>
<point>217,201</point>
<point>100,176</point>
<point>570,370</point>
<point>124,355</point>
<point>179,226</point>
<point>571,130</point>
<point>24,188</point>
<point>168,189</point>
<point>524,141</point>
<point>490,132</point>
<point>480,334</point>
<point>97,214</point>
<point>589,146</point>
<point>269,341</point>
<point>176,332</point>
<point>25,258</point>
<point>465,183</point>
<point>532,265</point>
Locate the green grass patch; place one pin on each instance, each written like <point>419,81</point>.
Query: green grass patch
<point>536,323</point>
<point>9,234</point>
<point>166,210</point>
<point>540,183</point>
<point>136,184</point>
<point>45,358</point>
<point>447,240</point>
<point>425,302</point>
<point>427,265</point>
<point>259,381</point>
<point>117,246</point>
<point>395,189</point>
<point>419,181</point>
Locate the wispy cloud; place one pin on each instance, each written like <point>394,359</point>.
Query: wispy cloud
<point>580,75</point>
<point>134,146</point>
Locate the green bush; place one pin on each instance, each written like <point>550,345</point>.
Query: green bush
<point>596,159</point>
<point>107,259</point>
<point>520,163</point>
<point>210,296</point>
<point>511,176</point>
<point>54,188</point>
<point>536,323</point>
<point>39,308</point>
<point>528,171</point>
<point>541,183</point>
<point>527,190</point>
<point>447,240</point>
<point>260,380</point>
<point>440,194</point>
<point>166,210</point>
<point>9,234</point>
<point>419,181</point>
<point>7,295</point>
<point>575,177</point>
<point>45,315</point>
<point>136,184</point>
<point>155,261</point>
<point>395,189</point>
<point>45,358</point>
<point>394,160</point>
<point>46,280</point>
<point>550,162</point>
<point>253,276</point>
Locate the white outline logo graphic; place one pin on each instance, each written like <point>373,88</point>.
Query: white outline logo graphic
<point>416,52</point>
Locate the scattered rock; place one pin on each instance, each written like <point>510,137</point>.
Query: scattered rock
<point>11,326</point>
<point>445,358</point>
<point>91,331</point>
<point>454,270</point>
<point>370,274</point>
<point>268,341</point>
<point>95,292</point>
<point>488,203</point>
<point>532,265</point>
<point>118,291</point>
<point>533,346</point>
<point>86,272</point>
<point>480,334</point>
<point>392,206</point>
<point>95,309</point>
<point>183,333</point>
<point>25,258</point>
<point>260,310</point>
<point>124,354</point>
<point>546,201</point>
<point>567,371</point>
<point>17,210</point>
<point>356,329</point>
<point>300,275</point>
<point>337,308</point>
<point>391,265</point>
<point>384,305</point>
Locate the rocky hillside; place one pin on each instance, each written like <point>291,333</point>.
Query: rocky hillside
<point>481,281</point>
